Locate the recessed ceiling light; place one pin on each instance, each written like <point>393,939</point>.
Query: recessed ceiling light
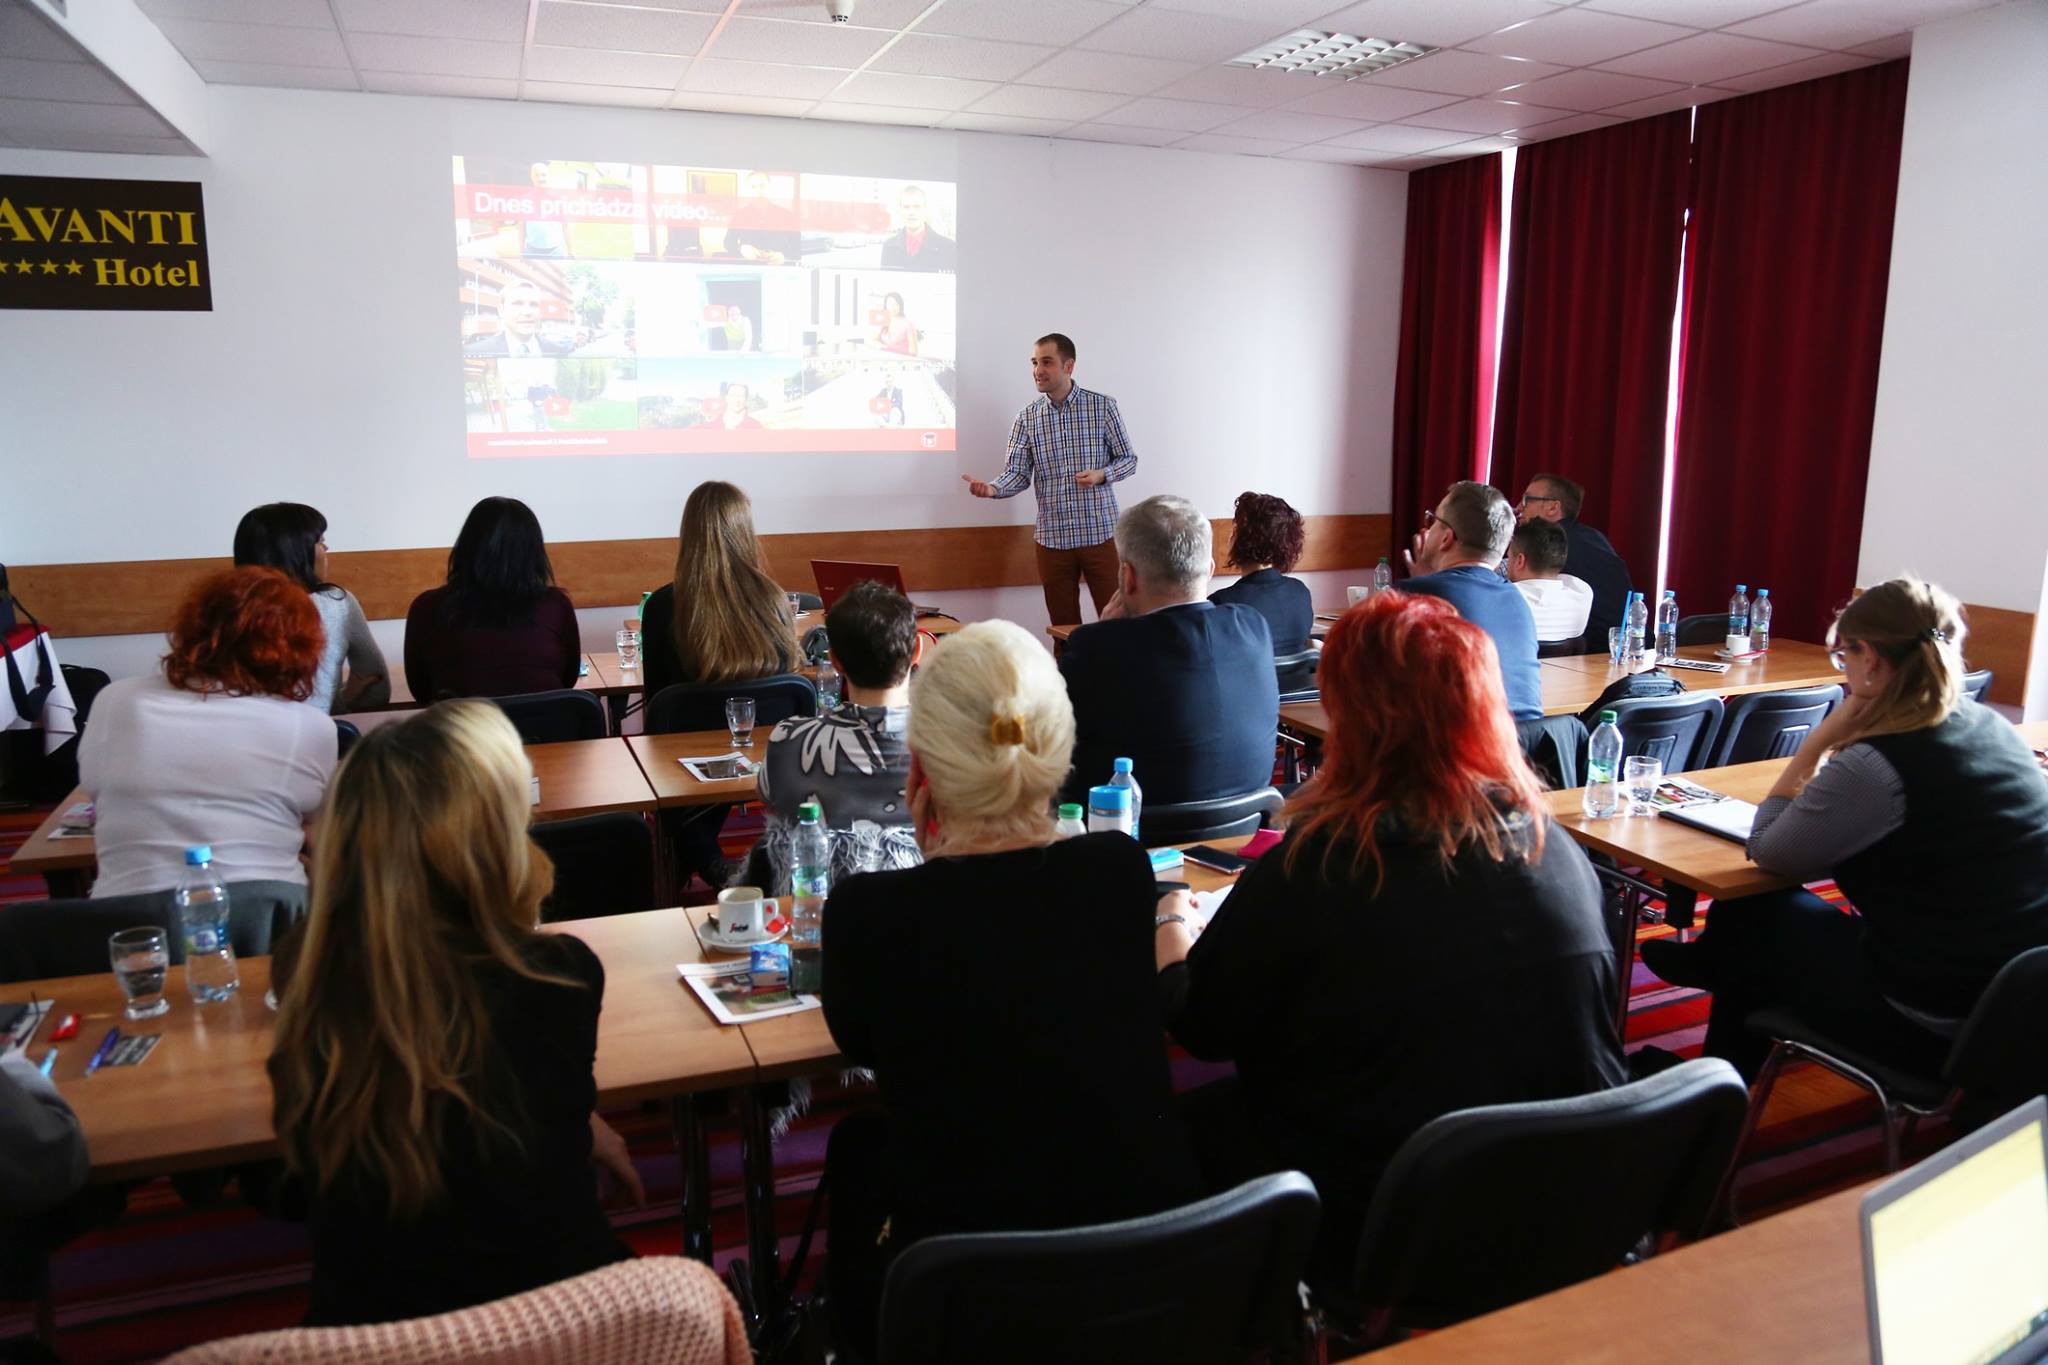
<point>1307,52</point>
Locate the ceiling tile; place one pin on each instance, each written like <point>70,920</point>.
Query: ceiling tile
<point>498,21</point>
<point>1589,90</point>
<point>1578,37</point>
<point>1845,23</point>
<point>775,40</point>
<point>1478,146</point>
<point>585,66</point>
<point>1463,73</point>
<point>1240,146</point>
<point>1433,23</point>
<point>1277,15</point>
<point>689,6</point>
<point>1708,58</point>
<point>712,103</point>
<point>1565,127</point>
<point>1054,22</point>
<point>911,92</point>
<point>1886,49</point>
<point>1489,116</point>
<point>1031,101</point>
<point>618,29</point>
<point>1684,98</point>
<point>876,113</point>
<point>459,87</point>
<point>435,56</point>
<point>1004,123</point>
<point>295,13</point>
<point>975,59</point>
<point>255,43</point>
<point>1352,156</point>
<point>33,118</point>
<point>1239,85</point>
<point>80,82</point>
<point>272,74</point>
<point>1367,99</point>
<point>1186,115</point>
<point>707,75</point>
<point>1176,36</point>
<point>1811,69</point>
<point>1114,72</point>
<point>1115,132</point>
<point>1691,13</point>
<point>889,14</point>
<point>1288,126</point>
<point>573,92</point>
<point>1397,138</point>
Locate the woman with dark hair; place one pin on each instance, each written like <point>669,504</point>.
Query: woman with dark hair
<point>1460,955</point>
<point>292,537</point>
<point>896,334</point>
<point>499,626</point>
<point>219,749</point>
<point>1264,546</point>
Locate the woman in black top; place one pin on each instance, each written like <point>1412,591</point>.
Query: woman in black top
<point>1425,939</point>
<point>1001,992</point>
<point>722,619</point>
<point>432,1065</point>
<point>499,626</point>
<point>1264,548</point>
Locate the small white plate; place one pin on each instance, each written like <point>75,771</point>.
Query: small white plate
<point>719,942</point>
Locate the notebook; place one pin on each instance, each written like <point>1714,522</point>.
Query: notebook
<point>1729,818</point>
<point>1955,1250</point>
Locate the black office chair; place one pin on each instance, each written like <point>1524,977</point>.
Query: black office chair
<point>69,937</point>
<point>1560,649</point>
<point>345,736</point>
<point>1997,1055</point>
<point>1214,1281</point>
<point>1297,671</point>
<point>1679,730</point>
<point>1977,685</point>
<point>604,865</point>
<point>554,717</point>
<point>701,706</point>
<point>1486,1207</point>
<point>1708,628</point>
<point>1760,725</point>
<point>1225,817</point>
<point>1556,748</point>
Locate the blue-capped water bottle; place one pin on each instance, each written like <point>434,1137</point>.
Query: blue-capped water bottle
<point>1738,620</point>
<point>1120,776</point>
<point>1636,625</point>
<point>1109,808</point>
<point>202,902</point>
<point>1667,625</point>
<point>1760,622</point>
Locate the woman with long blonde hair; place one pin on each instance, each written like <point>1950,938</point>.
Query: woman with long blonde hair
<point>723,618</point>
<point>1003,944</point>
<point>432,1064</point>
<point>1931,815</point>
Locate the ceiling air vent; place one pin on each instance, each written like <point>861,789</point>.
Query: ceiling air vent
<point>1306,52</point>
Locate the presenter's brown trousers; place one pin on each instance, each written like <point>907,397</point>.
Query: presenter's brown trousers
<point>1062,571</point>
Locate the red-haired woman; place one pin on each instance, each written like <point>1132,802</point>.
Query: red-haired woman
<point>1424,939</point>
<point>218,749</point>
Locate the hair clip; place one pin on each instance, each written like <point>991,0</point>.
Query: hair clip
<point>1006,730</point>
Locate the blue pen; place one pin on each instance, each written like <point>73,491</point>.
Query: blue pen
<point>100,1054</point>
<point>49,1060</point>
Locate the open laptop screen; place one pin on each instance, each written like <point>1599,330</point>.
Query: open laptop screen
<point>1956,1251</point>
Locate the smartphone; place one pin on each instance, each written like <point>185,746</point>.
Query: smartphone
<point>1168,888</point>
<point>1217,859</point>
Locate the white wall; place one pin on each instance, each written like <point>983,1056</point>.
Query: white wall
<point>1958,486</point>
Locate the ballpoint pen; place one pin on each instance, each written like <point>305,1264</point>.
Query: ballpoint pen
<point>100,1054</point>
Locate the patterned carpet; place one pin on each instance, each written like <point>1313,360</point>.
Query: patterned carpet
<point>169,1275</point>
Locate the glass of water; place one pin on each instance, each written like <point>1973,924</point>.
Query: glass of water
<point>141,957</point>
<point>1617,645</point>
<point>1642,774</point>
<point>796,604</point>
<point>739,720</point>
<point>628,642</point>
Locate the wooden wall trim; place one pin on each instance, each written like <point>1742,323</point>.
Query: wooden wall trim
<point>131,597</point>
<point>2002,641</point>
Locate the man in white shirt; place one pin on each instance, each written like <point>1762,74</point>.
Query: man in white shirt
<point>1559,602</point>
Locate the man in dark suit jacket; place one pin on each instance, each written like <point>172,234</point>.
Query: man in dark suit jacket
<point>1553,497</point>
<point>917,245</point>
<point>519,310</point>
<point>1181,686</point>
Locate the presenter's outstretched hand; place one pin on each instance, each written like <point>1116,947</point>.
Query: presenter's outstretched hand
<point>1088,478</point>
<point>977,487</point>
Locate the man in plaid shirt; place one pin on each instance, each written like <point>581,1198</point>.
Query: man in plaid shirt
<point>1072,442</point>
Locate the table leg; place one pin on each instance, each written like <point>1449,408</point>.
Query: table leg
<point>1679,904</point>
<point>687,1113</point>
<point>757,1156</point>
<point>67,884</point>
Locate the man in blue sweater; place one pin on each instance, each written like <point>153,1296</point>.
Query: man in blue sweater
<point>1455,558</point>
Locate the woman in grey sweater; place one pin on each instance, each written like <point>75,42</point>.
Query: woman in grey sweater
<point>293,537</point>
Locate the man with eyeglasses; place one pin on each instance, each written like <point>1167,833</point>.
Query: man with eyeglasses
<point>1456,557</point>
<point>1553,497</point>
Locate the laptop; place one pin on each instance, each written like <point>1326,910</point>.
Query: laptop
<point>1729,818</point>
<point>835,576</point>
<point>1955,1250</point>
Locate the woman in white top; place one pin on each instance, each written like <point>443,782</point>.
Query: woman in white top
<point>293,537</point>
<point>220,748</point>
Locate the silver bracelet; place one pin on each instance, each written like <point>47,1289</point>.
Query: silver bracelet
<point>1161,921</point>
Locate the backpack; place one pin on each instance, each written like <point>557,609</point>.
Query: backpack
<point>1653,682</point>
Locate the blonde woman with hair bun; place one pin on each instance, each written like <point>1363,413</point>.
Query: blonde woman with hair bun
<point>432,1063</point>
<point>1003,993</point>
<point>1931,813</point>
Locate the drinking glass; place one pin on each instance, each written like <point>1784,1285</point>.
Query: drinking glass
<point>796,604</point>
<point>140,958</point>
<point>739,720</point>
<point>629,649</point>
<point>1617,643</point>
<point>1642,774</point>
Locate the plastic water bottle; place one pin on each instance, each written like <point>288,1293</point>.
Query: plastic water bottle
<point>1638,627</point>
<point>810,880</point>
<point>1667,625</point>
<point>1738,620</point>
<point>828,685</point>
<point>1603,770</point>
<point>1070,822</point>
<point>1382,576</point>
<point>1760,621</point>
<point>202,901</point>
<point>1120,776</point>
<point>1109,808</point>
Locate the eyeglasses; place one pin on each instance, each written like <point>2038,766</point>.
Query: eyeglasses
<point>1430,518</point>
<point>1840,653</point>
<point>1526,500</point>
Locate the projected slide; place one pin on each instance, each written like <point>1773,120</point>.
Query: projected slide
<point>614,308</point>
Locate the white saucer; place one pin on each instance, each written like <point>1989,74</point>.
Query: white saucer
<point>719,942</point>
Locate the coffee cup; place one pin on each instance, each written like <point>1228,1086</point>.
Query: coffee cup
<point>1353,596</point>
<point>743,913</point>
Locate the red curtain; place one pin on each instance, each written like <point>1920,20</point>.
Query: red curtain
<point>1787,260</point>
<point>1585,363</point>
<point>1443,388</point>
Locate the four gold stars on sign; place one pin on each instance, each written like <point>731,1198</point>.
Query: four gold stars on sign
<point>47,267</point>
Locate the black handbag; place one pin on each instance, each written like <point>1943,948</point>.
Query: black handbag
<point>28,701</point>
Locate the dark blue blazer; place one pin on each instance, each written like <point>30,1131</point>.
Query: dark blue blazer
<point>1593,559</point>
<point>1285,603</point>
<point>1186,693</point>
<point>1497,607</point>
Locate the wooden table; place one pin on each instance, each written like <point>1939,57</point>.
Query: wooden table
<point>1789,1288</point>
<point>671,782</point>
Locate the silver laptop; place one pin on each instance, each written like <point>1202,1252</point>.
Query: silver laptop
<point>1955,1250</point>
